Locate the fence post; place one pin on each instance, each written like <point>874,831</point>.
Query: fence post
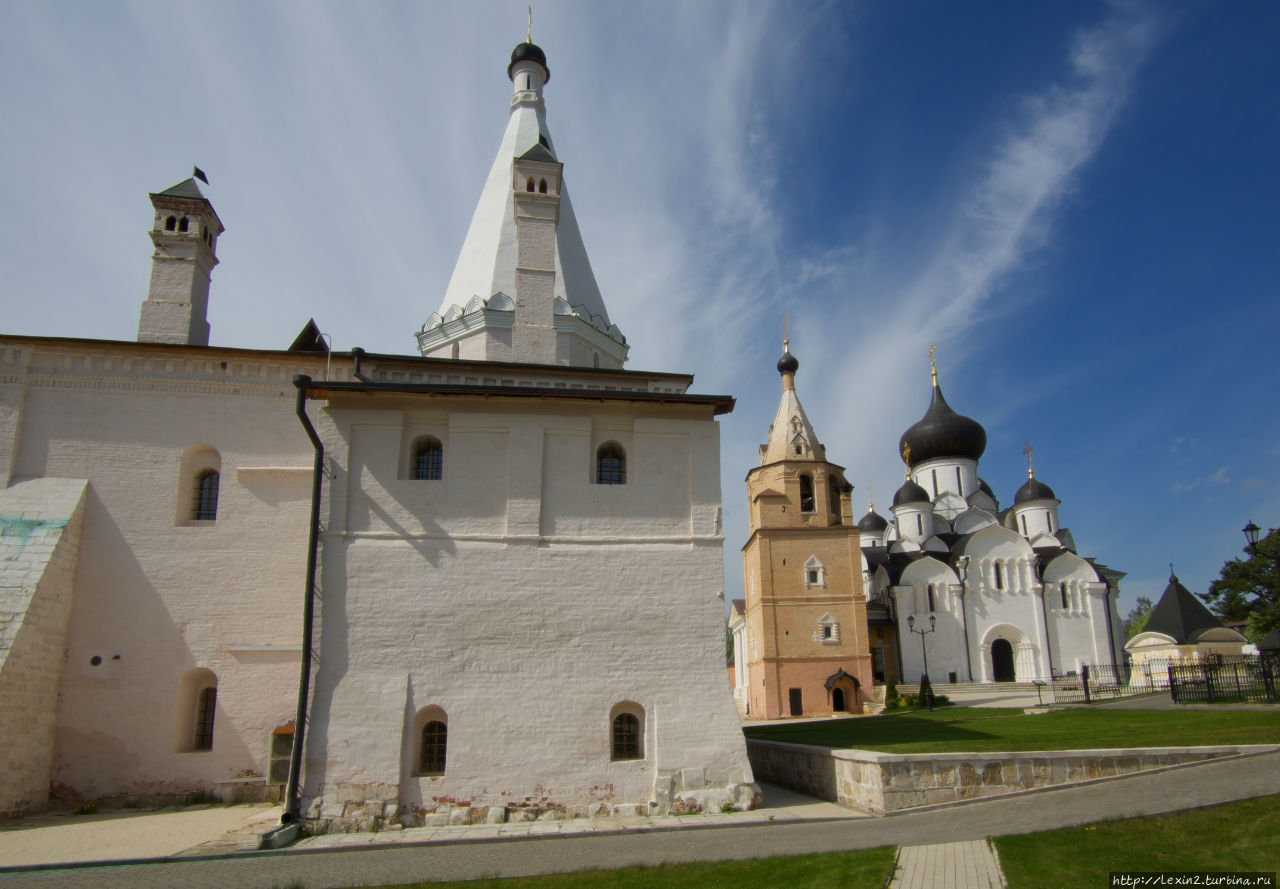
<point>1084,678</point>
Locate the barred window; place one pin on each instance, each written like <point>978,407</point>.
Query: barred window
<point>806,494</point>
<point>435,738</point>
<point>626,736</point>
<point>611,464</point>
<point>205,705</point>
<point>428,459</point>
<point>204,506</point>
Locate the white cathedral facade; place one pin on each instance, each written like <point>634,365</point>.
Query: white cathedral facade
<point>983,594</point>
<point>483,582</point>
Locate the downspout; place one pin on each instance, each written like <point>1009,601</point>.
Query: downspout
<point>357,355</point>
<point>1044,614</point>
<point>292,799</point>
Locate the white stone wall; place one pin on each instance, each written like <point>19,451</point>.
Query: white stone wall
<point>40,524</point>
<point>525,601</point>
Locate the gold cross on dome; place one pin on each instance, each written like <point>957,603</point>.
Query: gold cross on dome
<point>529,39</point>
<point>1031,473</point>
<point>785,340</point>
<point>933,366</point>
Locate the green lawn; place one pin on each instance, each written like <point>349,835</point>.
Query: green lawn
<point>985,730</point>
<point>1241,836</point>
<point>1234,837</point>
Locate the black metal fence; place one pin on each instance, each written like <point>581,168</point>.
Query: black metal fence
<point>1218,678</point>
<point>1221,679</point>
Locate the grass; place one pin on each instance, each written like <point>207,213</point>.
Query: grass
<point>859,869</point>
<point>1243,836</point>
<point>1233,837</point>
<point>986,730</point>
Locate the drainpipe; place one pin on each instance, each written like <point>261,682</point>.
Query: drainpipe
<point>291,793</point>
<point>1044,614</point>
<point>1111,636</point>
<point>357,355</point>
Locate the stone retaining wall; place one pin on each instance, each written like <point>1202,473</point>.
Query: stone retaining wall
<point>881,783</point>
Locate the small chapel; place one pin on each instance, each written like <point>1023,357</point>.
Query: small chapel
<point>481,582</point>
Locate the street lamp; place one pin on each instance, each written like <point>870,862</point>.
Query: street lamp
<point>1251,535</point>
<point>911,625</point>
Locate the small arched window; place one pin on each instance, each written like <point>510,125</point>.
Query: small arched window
<point>428,459</point>
<point>435,741</point>
<point>611,464</point>
<point>542,186</point>
<point>171,223</point>
<point>204,505</point>
<point>833,496</point>
<point>184,224</point>
<point>529,185</point>
<point>932,605</point>
<point>627,732</point>
<point>999,576</point>
<point>806,494</point>
<point>206,703</point>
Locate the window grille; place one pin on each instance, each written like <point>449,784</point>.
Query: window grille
<point>626,736</point>
<point>204,507</point>
<point>435,737</point>
<point>205,705</point>
<point>806,494</point>
<point>611,464</point>
<point>428,460</point>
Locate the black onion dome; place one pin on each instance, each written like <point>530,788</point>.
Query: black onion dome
<point>910,492</point>
<point>872,522</point>
<point>941,432</point>
<point>533,53</point>
<point>788,364</point>
<point>1034,489</point>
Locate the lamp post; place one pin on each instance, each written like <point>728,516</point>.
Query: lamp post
<point>911,625</point>
<point>1251,537</point>
<point>962,566</point>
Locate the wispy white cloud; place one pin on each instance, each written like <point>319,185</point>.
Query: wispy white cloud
<point>1218,477</point>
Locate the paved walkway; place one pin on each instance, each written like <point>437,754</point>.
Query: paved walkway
<point>395,860</point>
<point>970,864</point>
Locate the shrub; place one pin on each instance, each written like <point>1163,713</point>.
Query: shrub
<point>892,700</point>
<point>88,807</point>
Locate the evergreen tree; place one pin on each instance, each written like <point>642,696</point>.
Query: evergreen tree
<point>1249,589</point>
<point>1136,620</point>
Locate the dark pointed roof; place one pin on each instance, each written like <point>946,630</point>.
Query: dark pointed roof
<point>309,339</point>
<point>1271,641</point>
<point>1180,615</point>
<point>187,188</point>
<point>1034,489</point>
<point>539,152</point>
<point>941,432</point>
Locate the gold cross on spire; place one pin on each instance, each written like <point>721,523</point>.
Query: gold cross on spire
<point>906,457</point>
<point>1031,473</point>
<point>786,343</point>
<point>871,501</point>
<point>529,39</point>
<point>933,367</point>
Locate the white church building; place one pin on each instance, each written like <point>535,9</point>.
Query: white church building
<point>479,583</point>
<point>983,594</point>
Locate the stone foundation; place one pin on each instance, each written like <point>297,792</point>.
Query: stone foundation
<point>881,783</point>
<point>350,807</point>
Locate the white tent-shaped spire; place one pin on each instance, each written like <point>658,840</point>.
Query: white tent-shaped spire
<point>791,437</point>
<point>511,280</point>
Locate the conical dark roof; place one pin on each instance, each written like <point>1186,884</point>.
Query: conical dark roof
<point>1180,615</point>
<point>187,188</point>
<point>941,432</point>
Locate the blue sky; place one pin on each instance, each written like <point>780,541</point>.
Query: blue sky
<point>1077,202</point>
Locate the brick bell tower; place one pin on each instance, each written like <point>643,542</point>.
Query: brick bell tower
<point>806,613</point>
<point>185,233</point>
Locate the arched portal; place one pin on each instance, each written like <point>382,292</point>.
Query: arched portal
<point>1002,661</point>
<point>837,700</point>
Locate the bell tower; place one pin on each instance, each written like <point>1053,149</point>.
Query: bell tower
<point>185,232</point>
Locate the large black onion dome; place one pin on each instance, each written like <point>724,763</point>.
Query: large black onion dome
<point>941,432</point>
<point>910,492</point>
<point>533,53</point>
<point>788,364</point>
<point>1034,489</point>
<point>872,522</point>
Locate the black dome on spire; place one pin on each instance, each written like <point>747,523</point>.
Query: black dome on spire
<point>872,522</point>
<point>941,432</point>
<point>533,53</point>
<point>910,492</point>
<point>788,364</point>
<point>1034,489</point>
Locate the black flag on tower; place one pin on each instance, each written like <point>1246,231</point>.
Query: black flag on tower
<point>199,174</point>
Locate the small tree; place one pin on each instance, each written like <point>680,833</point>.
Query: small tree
<point>891,696</point>
<point>1136,620</point>
<point>728,646</point>
<point>1249,589</point>
<point>926,691</point>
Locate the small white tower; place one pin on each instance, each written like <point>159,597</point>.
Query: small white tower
<point>185,232</point>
